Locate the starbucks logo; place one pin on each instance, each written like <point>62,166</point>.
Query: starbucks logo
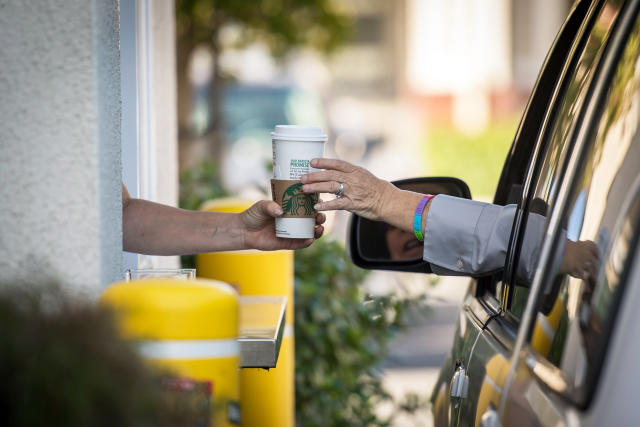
<point>297,203</point>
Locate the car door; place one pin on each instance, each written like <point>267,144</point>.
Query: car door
<point>489,362</point>
<point>476,366</point>
<point>592,199</point>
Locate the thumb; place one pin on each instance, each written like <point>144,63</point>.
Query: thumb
<point>264,208</point>
<point>271,208</point>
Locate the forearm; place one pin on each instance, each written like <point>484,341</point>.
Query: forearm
<point>398,208</point>
<point>155,229</point>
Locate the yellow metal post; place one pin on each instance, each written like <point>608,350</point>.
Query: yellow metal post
<point>267,397</point>
<point>187,326</point>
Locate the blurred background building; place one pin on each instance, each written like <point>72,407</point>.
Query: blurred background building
<point>413,82</point>
<point>408,88</point>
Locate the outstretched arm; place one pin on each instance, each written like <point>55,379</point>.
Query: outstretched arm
<point>156,229</point>
<point>461,236</point>
<point>364,194</point>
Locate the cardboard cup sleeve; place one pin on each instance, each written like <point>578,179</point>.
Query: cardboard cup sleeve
<point>295,203</point>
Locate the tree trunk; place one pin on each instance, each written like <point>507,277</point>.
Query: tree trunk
<point>194,148</point>
<point>215,135</point>
<point>185,46</point>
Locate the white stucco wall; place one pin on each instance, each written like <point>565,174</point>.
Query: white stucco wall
<point>60,197</point>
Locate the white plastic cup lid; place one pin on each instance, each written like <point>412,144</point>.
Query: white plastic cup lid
<point>298,133</point>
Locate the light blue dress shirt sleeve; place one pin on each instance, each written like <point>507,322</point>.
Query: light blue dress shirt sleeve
<point>470,238</point>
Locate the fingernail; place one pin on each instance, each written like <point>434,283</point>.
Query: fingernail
<point>314,162</point>
<point>279,211</point>
<point>316,206</point>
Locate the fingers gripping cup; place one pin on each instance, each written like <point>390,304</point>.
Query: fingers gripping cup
<point>293,149</point>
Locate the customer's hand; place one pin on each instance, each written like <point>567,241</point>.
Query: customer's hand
<point>258,223</point>
<point>362,192</point>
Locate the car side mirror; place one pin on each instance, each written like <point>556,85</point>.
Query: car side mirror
<point>376,245</point>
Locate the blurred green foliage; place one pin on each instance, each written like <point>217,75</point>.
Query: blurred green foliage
<point>342,336</point>
<point>476,159</point>
<point>280,24</point>
<point>199,184</point>
<point>221,25</point>
<point>62,363</point>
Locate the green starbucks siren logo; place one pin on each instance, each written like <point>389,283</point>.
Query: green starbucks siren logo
<point>297,203</point>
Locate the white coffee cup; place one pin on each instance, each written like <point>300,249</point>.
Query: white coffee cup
<point>293,149</point>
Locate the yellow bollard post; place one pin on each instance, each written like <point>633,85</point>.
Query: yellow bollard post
<point>267,397</point>
<point>187,326</point>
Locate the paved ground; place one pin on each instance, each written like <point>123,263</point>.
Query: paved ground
<point>399,381</point>
<point>416,355</point>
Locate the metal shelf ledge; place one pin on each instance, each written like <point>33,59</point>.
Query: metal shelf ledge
<point>262,324</point>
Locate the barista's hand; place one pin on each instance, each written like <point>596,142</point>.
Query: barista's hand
<point>580,259</point>
<point>258,225</point>
<point>363,193</point>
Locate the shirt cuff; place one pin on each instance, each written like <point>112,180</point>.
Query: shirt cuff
<point>465,236</point>
<point>450,227</point>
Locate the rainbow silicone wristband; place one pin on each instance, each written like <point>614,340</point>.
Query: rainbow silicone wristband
<point>417,219</point>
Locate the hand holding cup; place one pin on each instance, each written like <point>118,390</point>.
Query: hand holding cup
<point>258,225</point>
<point>362,192</point>
<point>293,149</point>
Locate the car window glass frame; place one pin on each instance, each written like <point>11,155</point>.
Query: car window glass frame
<point>551,165</point>
<point>560,58</point>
